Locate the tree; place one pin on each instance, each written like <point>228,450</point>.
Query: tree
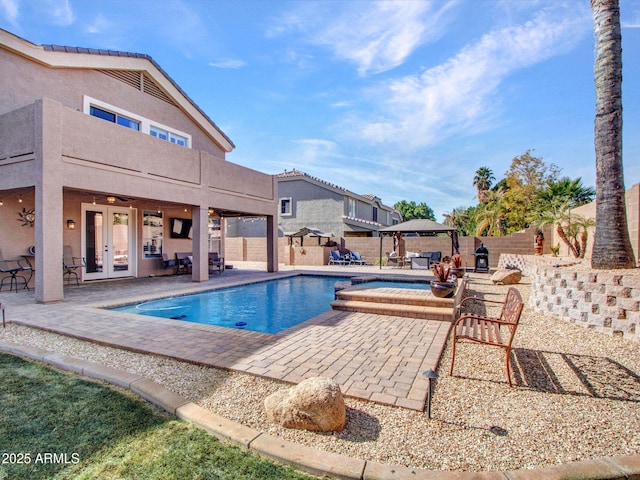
<point>411,210</point>
<point>612,247</point>
<point>526,176</point>
<point>482,181</point>
<point>491,214</point>
<point>553,206</point>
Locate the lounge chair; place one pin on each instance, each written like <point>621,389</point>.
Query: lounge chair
<point>71,264</point>
<point>336,259</point>
<point>357,259</point>
<point>216,262</point>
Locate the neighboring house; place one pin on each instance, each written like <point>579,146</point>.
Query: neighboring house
<point>309,202</point>
<point>103,152</point>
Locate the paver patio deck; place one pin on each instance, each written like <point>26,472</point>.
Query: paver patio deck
<point>374,357</point>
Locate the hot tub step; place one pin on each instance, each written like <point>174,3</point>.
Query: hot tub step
<point>395,296</point>
<point>395,309</point>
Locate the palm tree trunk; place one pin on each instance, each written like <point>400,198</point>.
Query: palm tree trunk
<point>567,242</point>
<point>612,247</point>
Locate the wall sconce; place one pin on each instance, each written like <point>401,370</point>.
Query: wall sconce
<point>111,199</point>
<point>71,224</point>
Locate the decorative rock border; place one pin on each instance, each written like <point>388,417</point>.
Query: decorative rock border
<point>608,301</point>
<point>305,458</point>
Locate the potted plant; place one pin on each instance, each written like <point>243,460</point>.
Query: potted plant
<point>555,249</point>
<point>441,286</point>
<point>456,265</point>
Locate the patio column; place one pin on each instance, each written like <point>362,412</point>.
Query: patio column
<point>200,218</point>
<point>272,244</point>
<point>48,202</point>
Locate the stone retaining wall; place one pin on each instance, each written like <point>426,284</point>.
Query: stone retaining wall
<point>606,300</point>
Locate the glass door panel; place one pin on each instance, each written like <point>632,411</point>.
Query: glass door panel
<point>94,240</point>
<point>119,243</point>
<point>108,240</point>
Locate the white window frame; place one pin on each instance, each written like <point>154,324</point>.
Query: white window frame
<point>352,205</point>
<point>290,209</point>
<point>145,123</point>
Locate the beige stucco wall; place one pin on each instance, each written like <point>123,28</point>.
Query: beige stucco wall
<point>68,86</point>
<point>632,197</point>
<point>53,153</point>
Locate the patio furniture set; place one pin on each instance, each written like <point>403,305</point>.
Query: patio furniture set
<point>183,261</point>
<point>349,258</point>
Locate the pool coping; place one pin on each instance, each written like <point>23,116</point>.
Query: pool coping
<point>305,458</point>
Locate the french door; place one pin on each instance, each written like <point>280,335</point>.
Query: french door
<point>108,241</point>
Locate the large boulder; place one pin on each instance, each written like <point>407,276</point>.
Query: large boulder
<point>314,404</point>
<point>506,276</point>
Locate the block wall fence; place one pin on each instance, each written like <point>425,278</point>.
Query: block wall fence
<point>605,300</point>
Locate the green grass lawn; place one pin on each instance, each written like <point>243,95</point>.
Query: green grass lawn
<point>55,425</point>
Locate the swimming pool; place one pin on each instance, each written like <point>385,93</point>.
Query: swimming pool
<point>268,307</point>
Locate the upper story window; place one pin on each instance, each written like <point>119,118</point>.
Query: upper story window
<point>374,214</point>
<point>285,206</point>
<point>167,136</point>
<point>114,118</point>
<point>353,210</point>
<point>97,108</point>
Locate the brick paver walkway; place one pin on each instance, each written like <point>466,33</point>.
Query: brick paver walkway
<point>374,357</point>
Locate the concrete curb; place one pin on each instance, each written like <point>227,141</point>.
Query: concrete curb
<point>309,459</point>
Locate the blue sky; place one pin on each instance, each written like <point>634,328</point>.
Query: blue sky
<point>402,99</point>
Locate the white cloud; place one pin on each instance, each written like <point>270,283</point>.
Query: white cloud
<point>461,94</point>
<point>60,12</point>
<point>375,36</point>
<point>10,8</point>
<point>228,63</point>
<point>99,25</point>
<point>382,35</point>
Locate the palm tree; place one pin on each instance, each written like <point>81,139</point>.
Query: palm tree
<point>482,181</point>
<point>457,219</point>
<point>582,225</point>
<point>491,214</point>
<point>612,247</point>
<point>554,203</point>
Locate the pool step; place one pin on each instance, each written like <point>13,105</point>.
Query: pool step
<point>395,309</point>
<point>401,296</point>
<point>395,301</point>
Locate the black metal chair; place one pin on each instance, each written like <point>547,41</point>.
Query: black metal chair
<point>11,269</point>
<point>71,264</point>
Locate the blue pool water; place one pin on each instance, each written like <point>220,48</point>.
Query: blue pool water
<point>268,307</point>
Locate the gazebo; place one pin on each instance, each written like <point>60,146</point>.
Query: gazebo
<point>420,225</point>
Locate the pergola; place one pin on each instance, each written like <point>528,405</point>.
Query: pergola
<point>306,231</point>
<point>420,225</point>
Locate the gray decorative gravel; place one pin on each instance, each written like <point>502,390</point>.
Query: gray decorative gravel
<point>576,396</point>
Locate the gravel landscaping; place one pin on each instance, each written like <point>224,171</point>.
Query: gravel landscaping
<point>576,396</point>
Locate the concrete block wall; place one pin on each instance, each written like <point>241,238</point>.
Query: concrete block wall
<point>608,301</point>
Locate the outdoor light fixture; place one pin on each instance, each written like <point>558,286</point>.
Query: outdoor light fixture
<point>94,200</point>
<point>431,376</point>
<point>20,199</point>
<point>111,199</point>
<point>71,224</point>
<point>1,203</point>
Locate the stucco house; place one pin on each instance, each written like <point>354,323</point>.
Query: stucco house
<point>103,154</point>
<point>305,201</point>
